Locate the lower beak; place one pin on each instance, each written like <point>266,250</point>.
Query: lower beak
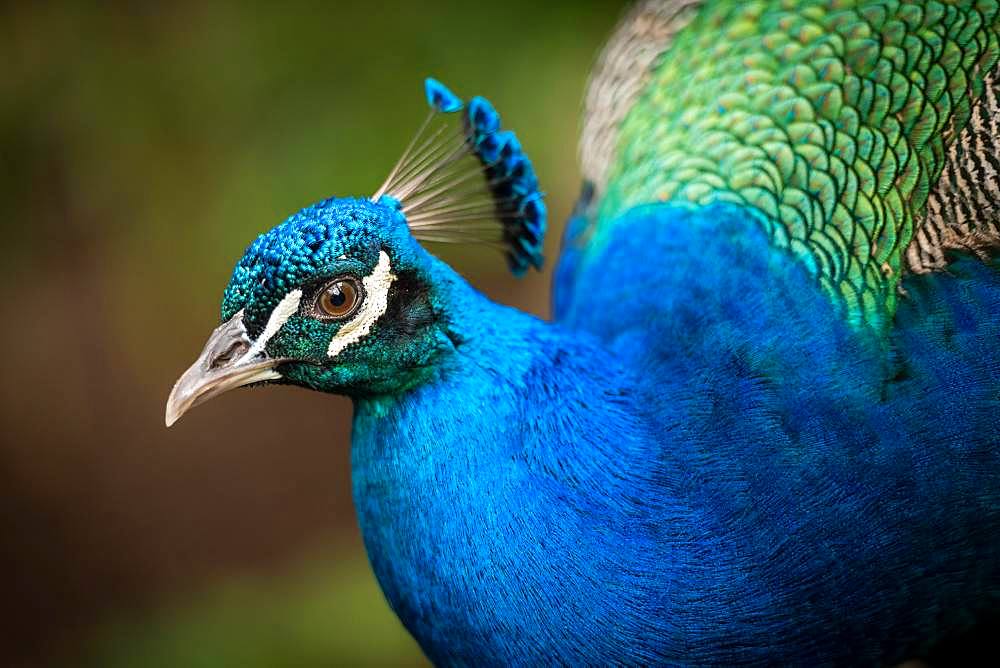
<point>227,362</point>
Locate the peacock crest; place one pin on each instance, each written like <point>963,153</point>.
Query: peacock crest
<point>464,179</point>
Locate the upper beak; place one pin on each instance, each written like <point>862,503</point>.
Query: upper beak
<point>227,362</point>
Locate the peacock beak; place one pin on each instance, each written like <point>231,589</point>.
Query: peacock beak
<point>229,360</point>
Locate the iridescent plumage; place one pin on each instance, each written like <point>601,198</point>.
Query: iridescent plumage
<point>761,428</point>
<point>830,121</point>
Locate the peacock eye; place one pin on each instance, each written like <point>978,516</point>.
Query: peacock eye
<point>339,299</point>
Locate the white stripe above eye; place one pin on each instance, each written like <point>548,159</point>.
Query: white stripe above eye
<point>288,305</point>
<point>376,302</point>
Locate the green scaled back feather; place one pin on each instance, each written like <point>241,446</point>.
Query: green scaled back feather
<point>831,120</point>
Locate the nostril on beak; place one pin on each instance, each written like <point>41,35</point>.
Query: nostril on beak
<point>231,354</point>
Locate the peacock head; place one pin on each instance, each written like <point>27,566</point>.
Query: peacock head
<point>341,296</point>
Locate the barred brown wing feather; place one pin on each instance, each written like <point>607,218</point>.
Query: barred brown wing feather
<point>963,208</point>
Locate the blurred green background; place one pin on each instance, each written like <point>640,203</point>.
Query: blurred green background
<point>142,146</point>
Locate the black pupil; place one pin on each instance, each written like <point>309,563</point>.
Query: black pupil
<point>337,296</point>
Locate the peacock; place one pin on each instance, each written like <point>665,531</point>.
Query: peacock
<point>762,424</point>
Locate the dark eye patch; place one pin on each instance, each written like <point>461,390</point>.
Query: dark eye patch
<point>409,309</point>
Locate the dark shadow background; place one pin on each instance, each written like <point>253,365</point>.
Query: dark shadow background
<point>142,146</point>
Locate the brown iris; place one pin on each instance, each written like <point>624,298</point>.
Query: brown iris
<point>339,299</point>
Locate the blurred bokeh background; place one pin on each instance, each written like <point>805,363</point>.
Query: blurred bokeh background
<point>142,146</point>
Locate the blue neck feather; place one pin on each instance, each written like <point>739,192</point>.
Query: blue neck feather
<point>571,489</point>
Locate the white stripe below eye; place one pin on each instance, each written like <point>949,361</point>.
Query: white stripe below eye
<point>376,302</point>
<point>288,305</point>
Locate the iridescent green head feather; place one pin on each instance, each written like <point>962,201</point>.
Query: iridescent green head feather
<point>358,251</point>
<point>341,296</point>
